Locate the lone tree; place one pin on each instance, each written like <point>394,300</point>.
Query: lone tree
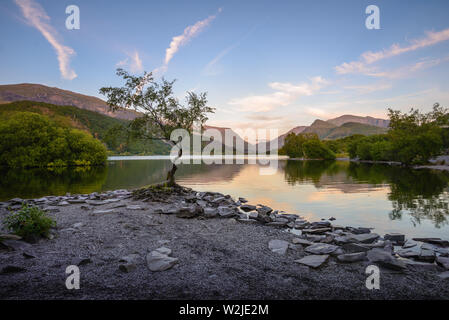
<point>161,112</point>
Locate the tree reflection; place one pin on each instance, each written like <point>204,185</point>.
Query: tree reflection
<point>33,183</point>
<point>421,194</point>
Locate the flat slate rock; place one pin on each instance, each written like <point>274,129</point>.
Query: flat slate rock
<point>352,257</point>
<point>313,261</point>
<point>385,259</point>
<point>104,211</point>
<point>278,246</point>
<point>321,248</point>
<point>248,207</point>
<point>443,262</point>
<point>157,261</point>
<point>364,237</point>
<point>436,241</point>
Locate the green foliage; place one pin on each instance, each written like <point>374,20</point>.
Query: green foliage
<point>162,112</point>
<point>29,221</point>
<point>413,138</point>
<point>315,149</point>
<point>307,146</point>
<point>112,131</point>
<point>32,140</point>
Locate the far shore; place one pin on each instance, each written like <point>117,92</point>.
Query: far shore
<point>275,157</point>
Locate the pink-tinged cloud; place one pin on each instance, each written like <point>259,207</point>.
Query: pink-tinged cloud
<point>38,18</point>
<point>362,66</point>
<point>285,94</point>
<point>181,40</point>
<point>133,62</point>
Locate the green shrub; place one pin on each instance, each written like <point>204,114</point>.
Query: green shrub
<point>29,221</point>
<point>32,140</point>
<point>315,149</point>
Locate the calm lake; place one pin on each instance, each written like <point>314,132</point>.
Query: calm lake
<point>388,198</point>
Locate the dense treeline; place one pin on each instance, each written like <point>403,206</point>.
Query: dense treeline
<point>306,146</point>
<point>111,131</point>
<point>32,140</point>
<point>413,138</point>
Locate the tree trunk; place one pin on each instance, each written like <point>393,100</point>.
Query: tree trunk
<point>171,174</point>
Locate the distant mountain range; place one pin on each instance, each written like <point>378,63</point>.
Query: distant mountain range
<point>339,127</point>
<point>41,93</point>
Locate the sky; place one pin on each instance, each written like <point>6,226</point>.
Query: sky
<point>265,64</point>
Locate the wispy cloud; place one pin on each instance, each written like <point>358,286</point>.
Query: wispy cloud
<point>133,62</point>
<point>285,94</point>
<point>364,89</point>
<point>38,18</point>
<point>363,65</point>
<point>181,40</point>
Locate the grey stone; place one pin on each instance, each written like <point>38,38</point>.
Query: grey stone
<point>385,259</point>
<point>301,241</point>
<point>321,248</point>
<point>364,237</point>
<point>76,201</point>
<point>313,261</point>
<point>426,255</point>
<point>130,259</point>
<point>278,246</point>
<point>104,211</point>
<point>355,248</point>
<point>409,244</point>
<point>9,236</point>
<point>134,207</point>
<point>157,261</point>
<point>316,231</point>
<point>443,262</point>
<point>226,212</point>
<point>243,200</point>
<point>436,241</point>
<point>395,237</point>
<point>248,207</point>
<point>78,225</point>
<point>63,204</point>
<point>127,267</point>
<point>352,257</point>
<point>417,265</point>
<point>444,275</point>
<point>409,253</point>
<point>264,210</point>
<point>95,203</point>
<point>17,245</point>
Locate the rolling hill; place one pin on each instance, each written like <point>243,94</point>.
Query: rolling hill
<point>56,96</point>
<point>101,126</point>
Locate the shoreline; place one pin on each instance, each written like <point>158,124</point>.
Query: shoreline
<point>159,243</point>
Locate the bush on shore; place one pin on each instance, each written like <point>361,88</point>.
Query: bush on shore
<point>32,140</point>
<point>307,146</point>
<point>29,222</point>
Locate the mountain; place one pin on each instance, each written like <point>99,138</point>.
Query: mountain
<point>320,127</point>
<point>351,128</point>
<point>340,127</point>
<point>357,119</point>
<point>101,126</point>
<point>56,96</point>
<point>230,145</point>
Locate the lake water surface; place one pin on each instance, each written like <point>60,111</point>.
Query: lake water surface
<point>388,198</point>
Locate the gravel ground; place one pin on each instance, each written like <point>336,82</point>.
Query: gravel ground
<point>219,258</point>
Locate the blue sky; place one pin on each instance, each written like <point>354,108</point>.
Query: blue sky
<point>264,64</point>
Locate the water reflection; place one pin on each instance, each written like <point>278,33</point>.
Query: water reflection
<point>365,193</point>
